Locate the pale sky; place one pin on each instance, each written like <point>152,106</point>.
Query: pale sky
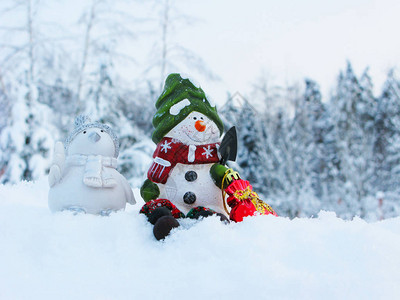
<point>289,40</point>
<point>238,40</point>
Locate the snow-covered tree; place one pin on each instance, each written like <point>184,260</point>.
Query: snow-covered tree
<point>231,110</point>
<point>387,146</point>
<point>103,27</point>
<point>26,141</point>
<point>252,147</point>
<point>108,103</point>
<point>168,54</point>
<point>277,133</point>
<point>300,149</point>
<point>46,80</point>
<point>323,161</point>
<point>353,108</point>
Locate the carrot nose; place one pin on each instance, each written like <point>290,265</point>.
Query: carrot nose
<point>199,125</point>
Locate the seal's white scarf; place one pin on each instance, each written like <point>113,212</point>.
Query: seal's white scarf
<point>97,173</point>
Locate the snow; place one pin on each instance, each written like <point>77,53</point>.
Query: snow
<point>176,108</point>
<point>66,256</point>
<point>210,101</point>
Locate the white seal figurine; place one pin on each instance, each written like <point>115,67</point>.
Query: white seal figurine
<point>84,178</point>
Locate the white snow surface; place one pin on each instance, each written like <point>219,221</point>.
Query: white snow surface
<point>66,256</point>
<point>176,108</point>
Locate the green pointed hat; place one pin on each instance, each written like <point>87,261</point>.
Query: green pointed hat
<point>179,98</point>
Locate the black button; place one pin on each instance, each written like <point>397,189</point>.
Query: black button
<point>189,198</point>
<point>191,176</point>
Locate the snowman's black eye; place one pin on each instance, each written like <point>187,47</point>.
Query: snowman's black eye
<point>202,118</point>
<point>194,118</point>
<point>84,132</point>
<point>102,130</point>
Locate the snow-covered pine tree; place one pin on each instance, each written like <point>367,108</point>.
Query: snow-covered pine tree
<point>252,148</point>
<point>231,110</point>
<point>387,145</point>
<point>314,111</point>
<point>281,173</point>
<point>387,122</point>
<point>277,133</point>
<point>301,151</point>
<point>367,113</point>
<point>5,105</point>
<point>351,106</point>
<point>56,93</point>
<point>27,140</point>
<point>323,163</point>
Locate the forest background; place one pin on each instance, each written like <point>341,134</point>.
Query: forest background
<point>303,150</point>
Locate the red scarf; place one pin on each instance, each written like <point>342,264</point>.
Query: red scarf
<point>171,151</point>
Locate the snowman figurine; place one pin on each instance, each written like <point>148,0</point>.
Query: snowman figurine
<point>185,178</point>
<point>85,179</point>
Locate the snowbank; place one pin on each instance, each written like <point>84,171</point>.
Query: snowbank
<point>62,256</point>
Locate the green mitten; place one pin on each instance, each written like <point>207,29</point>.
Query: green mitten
<point>219,172</point>
<point>149,190</point>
